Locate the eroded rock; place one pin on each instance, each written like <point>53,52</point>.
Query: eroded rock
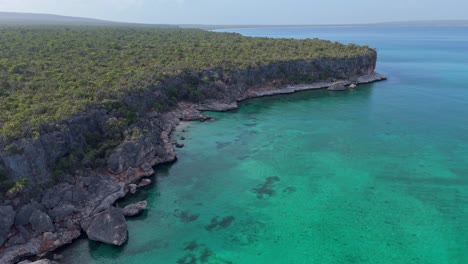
<point>134,209</point>
<point>41,222</point>
<point>23,214</point>
<point>337,86</point>
<point>144,183</point>
<point>107,227</point>
<point>7,218</point>
<point>132,188</point>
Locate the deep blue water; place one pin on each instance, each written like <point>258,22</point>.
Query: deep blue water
<point>376,175</point>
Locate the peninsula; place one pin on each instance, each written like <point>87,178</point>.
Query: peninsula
<point>86,112</point>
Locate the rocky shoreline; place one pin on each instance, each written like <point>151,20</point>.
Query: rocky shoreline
<point>85,201</point>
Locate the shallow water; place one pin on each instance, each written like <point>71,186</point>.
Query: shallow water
<point>375,175</point>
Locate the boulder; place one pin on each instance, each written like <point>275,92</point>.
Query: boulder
<point>107,227</point>
<point>352,86</point>
<point>62,211</point>
<point>41,222</point>
<point>144,183</point>
<point>132,188</point>
<point>7,218</point>
<point>23,214</point>
<point>134,209</point>
<point>337,86</point>
<point>50,200</point>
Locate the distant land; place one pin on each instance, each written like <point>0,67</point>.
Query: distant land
<point>11,18</point>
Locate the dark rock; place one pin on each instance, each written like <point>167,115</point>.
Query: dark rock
<point>337,86</point>
<point>110,193</point>
<point>19,236</point>
<point>15,240</point>
<point>7,218</point>
<point>78,196</point>
<point>182,138</point>
<point>41,222</point>
<point>108,227</point>
<point>144,183</point>
<point>62,211</point>
<point>179,145</point>
<point>134,209</point>
<point>23,214</point>
<point>50,200</point>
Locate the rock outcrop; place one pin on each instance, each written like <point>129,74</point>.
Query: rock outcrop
<point>84,200</point>
<point>7,218</point>
<point>337,86</point>
<point>134,209</point>
<point>41,222</point>
<point>108,227</point>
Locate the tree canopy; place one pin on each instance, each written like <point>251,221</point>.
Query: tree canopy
<point>48,73</point>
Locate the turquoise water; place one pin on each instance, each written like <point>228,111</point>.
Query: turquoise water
<point>376,175</point>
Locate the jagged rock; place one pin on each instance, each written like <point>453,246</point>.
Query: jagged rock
<point>23,214</point>
<point>132,188</point>
<point>352,86</point>
<point>337,86</point>
<point>134,209</point>
<point>41,222</point>
<point>7,218</point>
<point>144,183</point>
<point>74,196</point>
<point>110,193</point>
<point>62,211</point>
<point>108,227</point>
<point>50,200</point>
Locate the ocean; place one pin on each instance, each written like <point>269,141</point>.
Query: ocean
<point>374,175</point>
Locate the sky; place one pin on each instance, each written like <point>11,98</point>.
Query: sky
<point>247,11</point>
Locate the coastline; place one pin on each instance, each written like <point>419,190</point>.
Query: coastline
<point>100,190</point>
<point>289,89</point>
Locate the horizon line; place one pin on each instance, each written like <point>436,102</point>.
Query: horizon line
<point>248,25</point>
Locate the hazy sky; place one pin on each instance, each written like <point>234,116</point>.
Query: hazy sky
<point>247,11</point>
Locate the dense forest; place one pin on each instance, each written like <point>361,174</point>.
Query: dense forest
<point>49,73</point>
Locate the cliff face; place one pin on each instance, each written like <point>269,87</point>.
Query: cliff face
<point>85,193</point>
<point>34,159</point>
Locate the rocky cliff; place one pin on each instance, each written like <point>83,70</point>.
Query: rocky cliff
<point>51,210</point>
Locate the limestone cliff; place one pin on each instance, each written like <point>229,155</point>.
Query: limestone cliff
<point>73,198</point>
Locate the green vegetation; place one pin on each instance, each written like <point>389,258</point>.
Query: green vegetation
<point>49,73</point>
<point>19,186</point>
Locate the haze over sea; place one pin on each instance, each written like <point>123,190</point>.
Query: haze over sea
<point>375,175</point>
